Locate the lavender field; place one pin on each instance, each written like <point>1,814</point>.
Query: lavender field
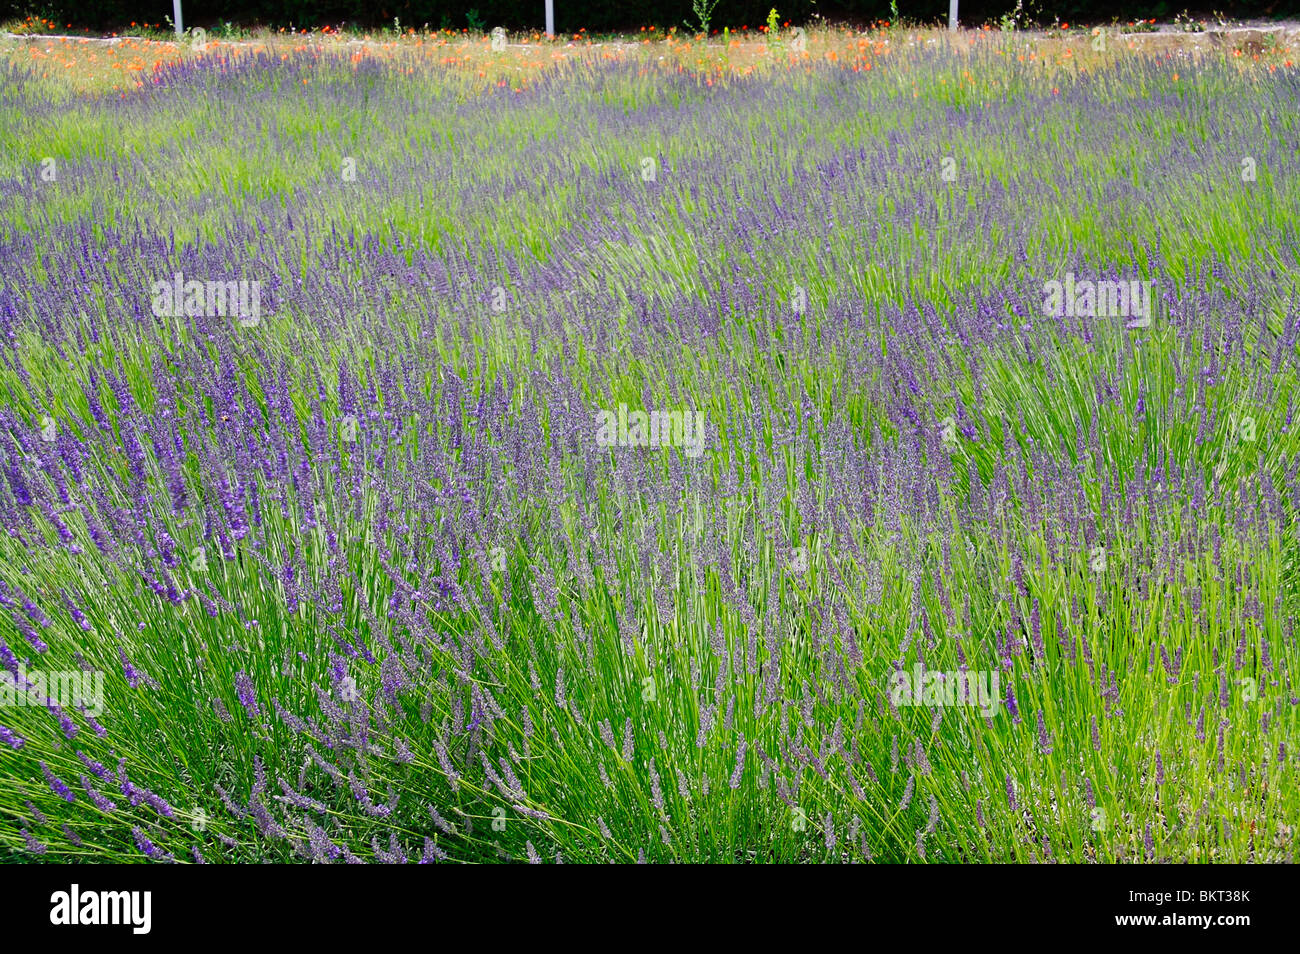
<point>808,465</point>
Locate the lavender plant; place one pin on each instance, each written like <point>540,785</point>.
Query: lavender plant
<point>363,583</point>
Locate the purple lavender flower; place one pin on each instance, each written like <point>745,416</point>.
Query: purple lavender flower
<point>32,637</point>
<point>159,805</point>
<point>96,799</point>
<point>146,846</point>
<point>444,826</point>
<point>559,688</point>
<point>247,694</point>
<point>134,677</point>
<point>66,725</point>
<point>33,846</point>
<point>740,764</point>
<point>132,794</point>
<point>95,727</point>
<point>1036,624</point>
<point>907,793</point>
<point>56,784</point>
<point>432,853</point>
<point>627,740</point>
<point>36,614</point>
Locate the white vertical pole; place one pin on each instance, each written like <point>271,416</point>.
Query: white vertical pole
<point>550,18</point>
<point>176,17</point>
<point>952,14</point>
